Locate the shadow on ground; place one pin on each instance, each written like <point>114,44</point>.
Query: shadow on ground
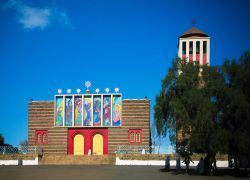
<point>219,172</point>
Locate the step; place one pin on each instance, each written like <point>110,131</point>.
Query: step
<point>71,159</point>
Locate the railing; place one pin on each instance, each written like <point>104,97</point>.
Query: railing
<point>137,149</point>
<point>20,150</point>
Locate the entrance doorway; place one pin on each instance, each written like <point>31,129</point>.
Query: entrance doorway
<point>98,144</point>
<point>84,141</point>
<point>79,145</point>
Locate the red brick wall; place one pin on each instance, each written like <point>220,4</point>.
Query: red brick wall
<point>41,117</point>
<point>135,115</point>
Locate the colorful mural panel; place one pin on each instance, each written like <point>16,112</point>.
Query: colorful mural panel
<point>68,111</point>
<point>78,111</point>
<point>106,111</point>
<point>97,110</point>
<point>59,111</point>
<point>87,111</point>
<point>116,110</point>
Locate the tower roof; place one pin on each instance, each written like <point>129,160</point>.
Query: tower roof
<point>193,32</point>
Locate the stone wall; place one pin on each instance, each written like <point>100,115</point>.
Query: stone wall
<point>41,117</point>
<point>135,115</point>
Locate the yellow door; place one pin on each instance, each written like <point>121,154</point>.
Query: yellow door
<point>98,144</point>
<point>79,145</point>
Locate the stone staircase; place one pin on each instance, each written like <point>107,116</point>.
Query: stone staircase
<point>71,159</point>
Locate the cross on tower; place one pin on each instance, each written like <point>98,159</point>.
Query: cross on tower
<point>193,22</point>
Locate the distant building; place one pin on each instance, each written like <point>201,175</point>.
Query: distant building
<point>83,124</point>
<point>194,45</point>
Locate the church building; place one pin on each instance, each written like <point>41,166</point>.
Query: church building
<point>89,123</point>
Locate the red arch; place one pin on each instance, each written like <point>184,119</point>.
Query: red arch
<point>88,134</point>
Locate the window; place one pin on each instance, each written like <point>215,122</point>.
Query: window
<point>135,136</point>
<point>190,47</point>
<point>132,137</point>
<point>183,47</point>
<point>138,137</point>
<point>197,47</point>
<point>44,137</point>
<point>204,47</point>
<point>41,136</point>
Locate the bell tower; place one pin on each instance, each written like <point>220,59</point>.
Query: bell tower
<point>194,45</point>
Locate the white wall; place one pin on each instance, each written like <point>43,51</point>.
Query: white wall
<point>8,162</point>
<point>15,162</point>
<point>31,162</point>
<point>162,163</point>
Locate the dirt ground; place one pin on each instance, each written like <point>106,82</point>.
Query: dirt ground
<point>98,172</point>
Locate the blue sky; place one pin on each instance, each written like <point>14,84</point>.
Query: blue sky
<point>46,45</point>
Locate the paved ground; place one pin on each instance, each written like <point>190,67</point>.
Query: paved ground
<point>100,172</point>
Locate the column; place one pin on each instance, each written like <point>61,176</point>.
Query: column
<point>180,49</point>
<point>187,50</point>
<point>73,111</point>
<point>201,52</point>
<point>208,51</point>
<point>194,50</point>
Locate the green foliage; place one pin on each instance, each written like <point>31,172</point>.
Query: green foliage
<point>236,105</point>
<point>210,105</point>
<point>184,103</point>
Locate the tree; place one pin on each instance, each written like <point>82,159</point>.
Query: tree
<point>187,109</point>
<point>23,147</point>
<point>236,105</point>
<point>156,140</point>
<point>1,140</point>
<point>23,143</point>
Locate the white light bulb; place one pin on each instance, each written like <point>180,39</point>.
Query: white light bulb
<point>107,90</point>
<point>97,90</point>
<point>68,91</point>
<point>78,90</point>
<point>59,91</point>
<point>116,90</point>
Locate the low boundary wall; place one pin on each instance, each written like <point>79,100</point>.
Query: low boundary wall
<point>162,163</point>
<point>19,162</point>
<point>146,160</point>
<point>18,159</point>
<point>8,162</point>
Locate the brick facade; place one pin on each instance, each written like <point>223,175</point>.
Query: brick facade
<point>135,115</point>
